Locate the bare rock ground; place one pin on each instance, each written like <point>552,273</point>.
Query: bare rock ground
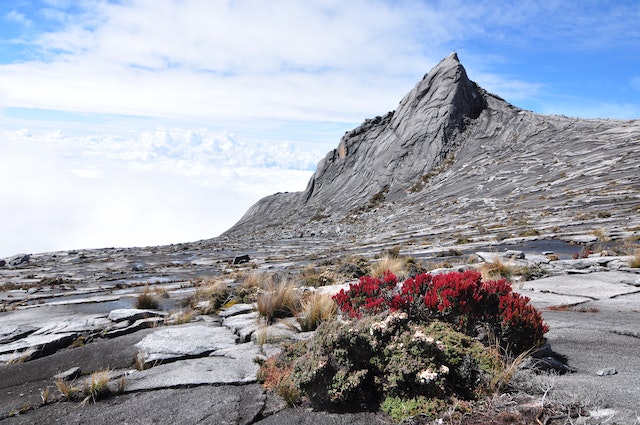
<point>204,371</point>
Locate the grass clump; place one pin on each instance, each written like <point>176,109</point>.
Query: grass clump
<point>497,269</point>
<point>634,262</point>
<point>278,298</point>
<point>387,264</point>
<point>316,309</point>
<point>147,300</point>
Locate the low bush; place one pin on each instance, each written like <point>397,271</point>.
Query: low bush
<point>421,346</point>
<point>381,359</point>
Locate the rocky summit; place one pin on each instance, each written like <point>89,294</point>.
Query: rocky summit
<point>455,178</point>
<point>453,156</point>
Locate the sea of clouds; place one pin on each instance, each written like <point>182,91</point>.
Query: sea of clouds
<point>142,188</point>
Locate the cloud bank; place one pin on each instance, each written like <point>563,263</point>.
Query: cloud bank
<point>149,188</point>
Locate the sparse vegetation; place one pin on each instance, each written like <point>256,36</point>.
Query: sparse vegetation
<point>147,300</point>
<point>634,262</point>
<point>96,387</point>
<point>278,298</point>
<point>315,309</point>
<point>497,269</point>
<point>388,264</point>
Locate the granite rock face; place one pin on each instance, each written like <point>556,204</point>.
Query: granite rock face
<point>453,152</point>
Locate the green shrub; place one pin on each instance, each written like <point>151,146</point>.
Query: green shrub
<point>361,363</point>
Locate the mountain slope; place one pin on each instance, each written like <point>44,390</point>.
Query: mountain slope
<point>454,156</point>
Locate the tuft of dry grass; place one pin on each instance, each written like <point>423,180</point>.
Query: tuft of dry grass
<point>181,317</point>
<point>45,395</point>
<point>388,264</point>
<point>601,233</point>
<point>98,386</point>
<point>634,262</point>
<point>315,309</point>
<point>496,269</point>
<point>278,298</point>
<point>147,300</point>
<point>68,391</point>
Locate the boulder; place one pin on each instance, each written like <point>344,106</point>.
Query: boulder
<point>18,259</point>
<point>241,259</point>
<point>215,370</point>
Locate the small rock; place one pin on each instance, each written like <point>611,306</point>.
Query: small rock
<point>607,371</point>
<point>68,375</point>
<point>513,254</point>
<point>241,259</point>
<point>132,314</point>
<point>236,309</point>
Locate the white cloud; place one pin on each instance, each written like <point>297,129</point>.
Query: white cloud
<point>149,188</point>
<point>296,60</point>
<point>18,17</point>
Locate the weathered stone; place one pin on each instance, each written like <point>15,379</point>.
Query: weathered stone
<point>241,259</point>
<point>244,325</point>
<point>281,331</point>
<point>215,370</point>
<point>69,374</point>
<point>18,259</point>
<point>38,345</point>
<point>140,324</point>
<point>237,309</point>
<point>607,371</point>
<point>513,254</point>
<point>133,314</point>
<point>76,324</point>
<point>14,332</point>
<point>184,341</point>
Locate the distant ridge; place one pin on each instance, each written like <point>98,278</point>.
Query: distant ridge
<point>453,155</point>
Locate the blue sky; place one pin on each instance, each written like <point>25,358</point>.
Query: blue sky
<point>144,122</point>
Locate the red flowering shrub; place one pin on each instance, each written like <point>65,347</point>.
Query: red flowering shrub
<point>368,296</point>
<point>459,298</point>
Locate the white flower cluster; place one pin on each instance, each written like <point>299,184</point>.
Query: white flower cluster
<point>388,321</point>
<point>426,376</point>
<point>421,336</point>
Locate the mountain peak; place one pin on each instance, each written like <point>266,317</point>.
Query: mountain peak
<point>449,149</point>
